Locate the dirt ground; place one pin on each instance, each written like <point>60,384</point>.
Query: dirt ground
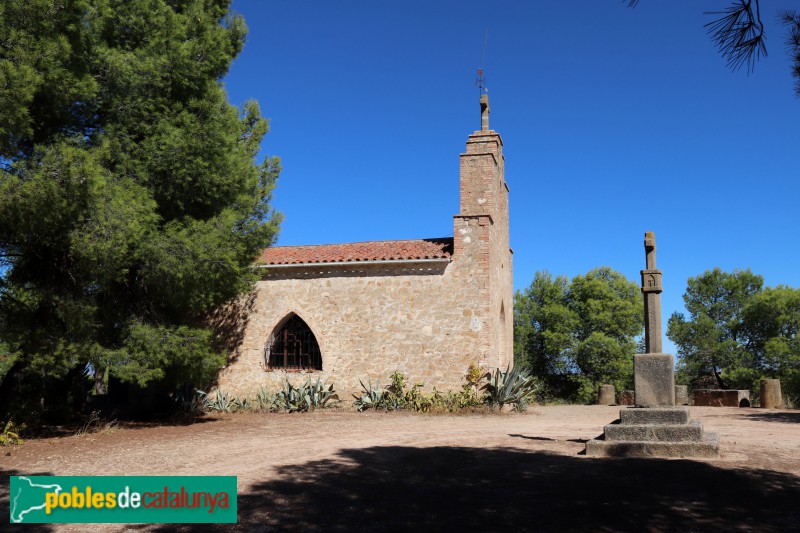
<point>339,470</point>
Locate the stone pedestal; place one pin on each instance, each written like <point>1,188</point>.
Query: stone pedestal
<point>681,395</point>
<point>607,395</point>
<point>654,432</point>
<point>654,379</point>
<point>771,396</point>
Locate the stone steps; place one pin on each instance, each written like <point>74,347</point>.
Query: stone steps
<point>693,431</point>
<point>654,432</point>
<point>707,447</point>
<point>654,415</point>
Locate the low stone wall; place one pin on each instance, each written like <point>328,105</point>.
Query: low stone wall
<point>721,398</point>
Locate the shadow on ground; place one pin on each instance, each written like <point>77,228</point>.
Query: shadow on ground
<point>773,416</point>
<point>470,489</point>
<point>72,429</point>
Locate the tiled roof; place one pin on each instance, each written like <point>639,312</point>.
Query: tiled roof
<point>358,251</point>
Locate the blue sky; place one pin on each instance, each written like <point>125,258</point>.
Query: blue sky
<point>616,121</point>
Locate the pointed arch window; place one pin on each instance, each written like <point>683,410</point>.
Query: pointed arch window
<point>293,347</point>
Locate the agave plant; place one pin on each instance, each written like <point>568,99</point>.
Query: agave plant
<point>319,395</point>
<point>513,387</point>
<point>291,398</point>
<point>264,400</point>
<point>188,399</point>
<point>221,402</point>
<point>305,397</point>
<point>374,397</point>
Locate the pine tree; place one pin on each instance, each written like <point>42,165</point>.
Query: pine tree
<point>131,202</point>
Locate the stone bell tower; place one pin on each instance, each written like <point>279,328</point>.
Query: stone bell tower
<point>481,242</point>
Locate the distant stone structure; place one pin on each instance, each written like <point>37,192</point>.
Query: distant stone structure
<point>358,311</point>
<point>721,398</point>
<point>681,395</point>
<point>771,396</point>
<point>626,397</point>
<point>606,395</point>
<point>655,426</point>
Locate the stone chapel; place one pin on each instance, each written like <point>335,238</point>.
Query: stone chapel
<point>357,311</point>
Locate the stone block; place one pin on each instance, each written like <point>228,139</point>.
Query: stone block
<point>654,379</point>
<point>721,398</point>
<point>607,395</point>
<point>771,397</point>
<point>656,415</point>
<point>681,395</point>
<point>693,431</point>
<point>707,447</point>
<point>626,397</point>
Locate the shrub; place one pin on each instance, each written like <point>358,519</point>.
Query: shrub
<point>373,397</point>
<point>513,387</point>
<point>396,396</point>
<point>11,432</point>
<point>264,400</point>
<point>95,423</point>
<point>188,400</point>
<point>306,397</point>
<point>221,402</point>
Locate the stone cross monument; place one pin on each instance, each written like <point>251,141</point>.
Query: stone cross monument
<point>653,372</point>
<point>661,429</point>
<point>651,287</point>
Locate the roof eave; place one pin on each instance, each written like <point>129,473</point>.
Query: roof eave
<point>353,263</point>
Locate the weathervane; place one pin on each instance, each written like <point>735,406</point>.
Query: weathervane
<point>480,82</point>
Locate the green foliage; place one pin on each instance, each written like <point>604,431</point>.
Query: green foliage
<point>397,397</point>
<point>151,353</point>
<point>373,397</point>
<point>306,397</point>
<point>513,387</point>
<point>10,433</point>
<point>189,400</point>
<point>264,400</point>
<point>7,360</point>
<point>220,402</point>
<point>575,335</point>
<point>131,200</point>
<point>738,332</point>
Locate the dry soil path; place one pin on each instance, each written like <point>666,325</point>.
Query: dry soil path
<point>348,471</point>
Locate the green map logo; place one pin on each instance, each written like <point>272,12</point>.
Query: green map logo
<point>28,497</point>
<point>123,499</point>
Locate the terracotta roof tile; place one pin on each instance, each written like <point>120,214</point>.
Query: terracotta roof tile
<point>358,251</point>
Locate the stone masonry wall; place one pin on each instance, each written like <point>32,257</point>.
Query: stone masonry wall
<point>425,323</point>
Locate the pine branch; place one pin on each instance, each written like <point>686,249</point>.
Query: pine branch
<point>738,34</point>
<point>792,21</point>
